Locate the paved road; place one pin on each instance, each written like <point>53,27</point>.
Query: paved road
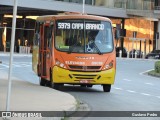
<point>132,90</point>
<point>22,68</point>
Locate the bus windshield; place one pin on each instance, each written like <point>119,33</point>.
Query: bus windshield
<point>84,36</point>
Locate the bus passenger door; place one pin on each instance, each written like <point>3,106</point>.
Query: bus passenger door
<point>45,52</point>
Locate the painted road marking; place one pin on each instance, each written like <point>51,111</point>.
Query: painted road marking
<point>145,94</point>
<point>149,84</point>
<point>142,73</point>
<point>158,97</point>
<point>4,65</point>
<point>16,65</point>
<point>118,88</point>
<point>131,91</point>
<point>144,83</point>
<point>127,80</point>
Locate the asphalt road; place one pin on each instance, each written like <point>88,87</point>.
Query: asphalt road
<point>132,91</point>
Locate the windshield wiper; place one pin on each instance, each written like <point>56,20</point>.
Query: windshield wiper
<point>99,52</point>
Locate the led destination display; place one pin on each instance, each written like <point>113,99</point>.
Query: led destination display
<point>87,26</point>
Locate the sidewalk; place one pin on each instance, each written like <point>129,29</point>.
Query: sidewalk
<point>26,96</point>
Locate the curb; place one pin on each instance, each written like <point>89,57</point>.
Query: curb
<point>77,115</point>
<point>65,111</point>
<point>148,75</point>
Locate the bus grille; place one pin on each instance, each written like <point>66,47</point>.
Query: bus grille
<point>85,68</point>
<point>81,76</point>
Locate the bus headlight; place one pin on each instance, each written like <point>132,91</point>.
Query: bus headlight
<point>108,66</point>
<point>58,63</point>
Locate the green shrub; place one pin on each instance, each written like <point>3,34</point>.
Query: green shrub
<point>157,67</point>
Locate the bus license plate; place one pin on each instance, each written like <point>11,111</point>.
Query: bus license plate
<point>84,81</point>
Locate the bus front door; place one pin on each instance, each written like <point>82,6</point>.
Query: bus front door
<point>45,53</point>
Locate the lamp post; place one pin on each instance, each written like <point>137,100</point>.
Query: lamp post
<point>11,54</point>
<point>83,6</point>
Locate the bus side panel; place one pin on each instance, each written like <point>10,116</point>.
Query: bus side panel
<point>35,58</point>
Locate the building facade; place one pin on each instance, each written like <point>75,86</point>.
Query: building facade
<point>140,16</point>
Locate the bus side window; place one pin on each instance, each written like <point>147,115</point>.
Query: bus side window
<point>37,35</point>
<point>49,36</point>
<point>59,39</point>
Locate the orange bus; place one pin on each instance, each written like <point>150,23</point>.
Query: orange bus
<point>74,49</point>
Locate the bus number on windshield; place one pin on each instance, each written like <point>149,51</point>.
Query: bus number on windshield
<point>64,26</point>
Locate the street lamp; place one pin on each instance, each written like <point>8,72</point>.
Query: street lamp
<point>83,6</point>
<point>11,54</point>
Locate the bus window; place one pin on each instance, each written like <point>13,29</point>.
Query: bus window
<point>82,36</point>
<point>102,39</point>
<point>59,39</point>
<point>36,43</point>
<point>49,36</point>
<point>37,34</point>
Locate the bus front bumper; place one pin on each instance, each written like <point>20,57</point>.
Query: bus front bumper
<point>64,76</point>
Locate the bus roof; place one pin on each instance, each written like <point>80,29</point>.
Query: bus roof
<point>71,16</point>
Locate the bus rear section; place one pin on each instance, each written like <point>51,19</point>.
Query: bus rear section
<point>76,51</point>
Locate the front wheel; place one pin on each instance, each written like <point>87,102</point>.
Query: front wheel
<point>89,86</point>
<point>57,86</point>
<point>83,86</point>
<point>43,82</point>
<point>106,87</point>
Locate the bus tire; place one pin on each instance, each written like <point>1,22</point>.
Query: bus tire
<point>57,86</point>
<point>106,87</point>
<point>83,85</point>
<point>89,86</point>
<point>49,83</point>
<point>43,82</point>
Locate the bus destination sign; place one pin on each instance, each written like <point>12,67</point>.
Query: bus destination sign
<point>74,26</point>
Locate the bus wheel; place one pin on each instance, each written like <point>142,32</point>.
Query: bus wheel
<point>48,84</point>
<point>106,87</point>
<point>43,82</point>
<point>83,85</point>
<point>89,86</point>
<point>57,86</point>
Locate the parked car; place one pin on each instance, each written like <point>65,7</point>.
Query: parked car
<point>155,54</point>
<point>124,52</point>
<point>139,53</point>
